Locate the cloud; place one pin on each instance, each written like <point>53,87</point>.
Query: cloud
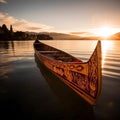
<point>22,25</point>
<point>3,1</point>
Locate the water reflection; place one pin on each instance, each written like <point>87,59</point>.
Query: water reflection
<point>4,67</point>
<point>74,107</point>
<point>12,52</point>
<point>4,70</point>
<point>110,56</point>
<point>106,46</point>
<point>4,44</point>
<point>26,93</point>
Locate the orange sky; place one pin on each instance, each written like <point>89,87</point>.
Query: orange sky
<point>60,15</point>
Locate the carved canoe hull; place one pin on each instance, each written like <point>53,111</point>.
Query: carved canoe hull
<point>83,77</point>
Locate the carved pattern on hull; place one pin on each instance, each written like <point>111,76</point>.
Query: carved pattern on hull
<point>73,76</point>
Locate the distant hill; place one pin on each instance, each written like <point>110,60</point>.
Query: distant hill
<point>63,36</point>
<point>115,36</point>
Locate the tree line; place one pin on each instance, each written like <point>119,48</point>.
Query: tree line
<point>8,34</point>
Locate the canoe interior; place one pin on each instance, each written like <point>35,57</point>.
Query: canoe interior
<point>54,53</point>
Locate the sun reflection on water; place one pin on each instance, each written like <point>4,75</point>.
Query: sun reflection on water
<point>106,47</point>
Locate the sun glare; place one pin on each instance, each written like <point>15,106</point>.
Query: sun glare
<point>106,47</point>
<point>105,31</point>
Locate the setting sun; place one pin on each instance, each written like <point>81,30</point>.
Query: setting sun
<point>105,31</point>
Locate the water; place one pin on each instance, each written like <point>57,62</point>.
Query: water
<point>29,91</point>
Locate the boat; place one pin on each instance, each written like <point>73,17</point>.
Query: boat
<point>82,77</point>
<point>63,93</point>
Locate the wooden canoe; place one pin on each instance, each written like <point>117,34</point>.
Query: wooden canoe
<point>83,77</point>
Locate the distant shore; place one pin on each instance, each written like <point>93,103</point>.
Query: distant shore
<point>9,35</point>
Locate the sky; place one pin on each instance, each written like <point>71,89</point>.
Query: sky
<point>71,16</point>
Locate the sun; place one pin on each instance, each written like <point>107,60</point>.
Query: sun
<point>105,31</point>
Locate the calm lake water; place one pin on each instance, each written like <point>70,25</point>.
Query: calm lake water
<point>29,91</point>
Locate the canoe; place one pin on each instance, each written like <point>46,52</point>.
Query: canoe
<point>83,77</point>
